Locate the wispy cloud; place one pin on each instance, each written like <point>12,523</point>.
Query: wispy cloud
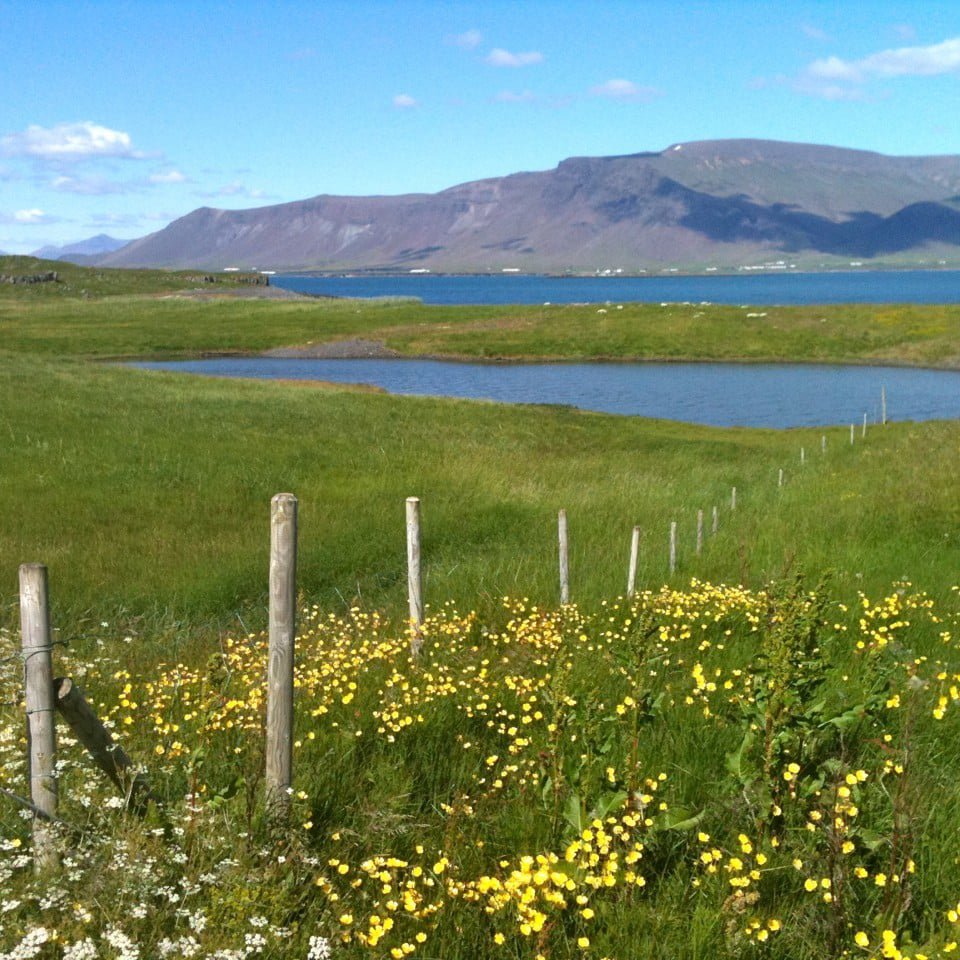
<point>90,186</point>
<point>403,101</point>
<point>626,90</point>
<point>904,31</point>
<point>168,176</point>
<point>498,57</point>
<point>815,33</point>
<point>469,39</point>
<point>835,78</point>
<point>236,189</point>
<point>70,142</point>
<point>511,96</point>
<point>31,217</point>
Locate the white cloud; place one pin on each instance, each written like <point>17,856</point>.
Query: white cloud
<point>88,186</point>
<point>510,96</point>
<point>28,218</point>
<point>499,57</point>
<point>69,141</point>
<point>404,101</point>
<point>836,78</point>
<point>168,176</point>
<point>469,39</point>
<point>815,33</point>
<point>619,89</point>
<point>236,189</point>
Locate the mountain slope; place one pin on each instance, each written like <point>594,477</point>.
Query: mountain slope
<point>707,201</point>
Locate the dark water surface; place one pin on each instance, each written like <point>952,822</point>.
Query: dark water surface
<point>894,286</point>
<point>718,394</point>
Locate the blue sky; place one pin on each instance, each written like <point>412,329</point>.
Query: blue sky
<point>118,117</point>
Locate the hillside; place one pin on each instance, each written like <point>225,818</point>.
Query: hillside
<point>724,202</point>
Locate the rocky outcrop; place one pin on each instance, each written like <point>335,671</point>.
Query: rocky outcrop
<point>51,276</point>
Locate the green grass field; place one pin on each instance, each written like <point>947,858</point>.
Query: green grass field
<point>605,780</point>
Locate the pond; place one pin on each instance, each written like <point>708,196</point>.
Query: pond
<point>716,394</point>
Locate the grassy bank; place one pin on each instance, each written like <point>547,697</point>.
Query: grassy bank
<point>149,492</point>
<point>176,323</point>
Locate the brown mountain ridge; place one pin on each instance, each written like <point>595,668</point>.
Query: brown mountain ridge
<point>721,201</point>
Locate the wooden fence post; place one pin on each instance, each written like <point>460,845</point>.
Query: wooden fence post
<point>823,443</point>
<point>632,570</point>
<point>673,546</point>
<point>283,617</point>
<point>733,499</point>
<point>41,732</point>
<point>851,434</point>
<point>108,755</point>
<point>863,432</point>
<point>780,478</point>
<point>414,574</point>
<point>564,548</point>
<point>883,405</point>
<point>716,521</point>
<point>699,532</point>
<point>803,456</point>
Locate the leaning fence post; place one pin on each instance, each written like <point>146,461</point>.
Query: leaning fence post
<point>107,754</point>
<point>414,574</point>
<point>283,615</point>
<point>564,550</point>
<point>634,554</point>
<point>863,432</point>
<point>41,730</point>
<point>699,532</point>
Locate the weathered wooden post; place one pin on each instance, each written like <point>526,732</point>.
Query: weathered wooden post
<point>108,755</point>
<point>823,443</point>
<point>733,499</point>
<point>41,729</point>
<point>851,434</point>
<point>699,532</point>
<point>716,521</point>
<point>780,478</point>
<point>414,574</point>
<point>283,616</point>
<point>673,546</point>
<point>803,456</point>
<point>863,432</point>
<point>883,405</point>
<point>634,555</point>
<point>564,557</point>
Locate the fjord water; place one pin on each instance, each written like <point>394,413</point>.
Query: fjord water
<point>874,286</point>
<point>716,394</point>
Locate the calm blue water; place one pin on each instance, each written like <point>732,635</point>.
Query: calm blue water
<point>719,394</point>
<point>901,286</point>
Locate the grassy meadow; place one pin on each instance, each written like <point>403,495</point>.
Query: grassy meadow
<point>755,756</point>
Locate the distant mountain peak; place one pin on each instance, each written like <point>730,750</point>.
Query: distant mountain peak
<point>95,246</point>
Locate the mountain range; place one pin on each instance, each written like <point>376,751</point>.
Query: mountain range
<point>725,202</point>
<point>83,250</point>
